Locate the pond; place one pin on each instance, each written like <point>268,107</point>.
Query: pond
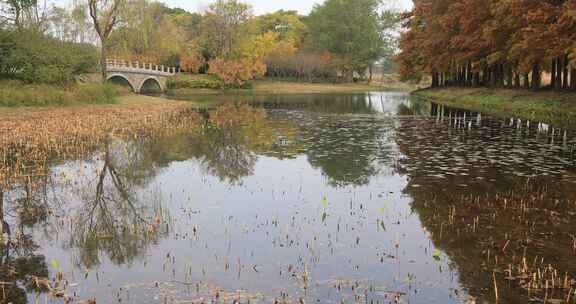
<point>359,198</point>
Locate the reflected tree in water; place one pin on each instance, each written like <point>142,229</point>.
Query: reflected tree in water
<point>113,218</point>
<point>19,262</point>
<point>490,224</point>
<point>229,144</point>
<point>350,152</point>
<point>224,153</point>
<point>321,103</point>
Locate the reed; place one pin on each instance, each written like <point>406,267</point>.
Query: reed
<point>29,141</point>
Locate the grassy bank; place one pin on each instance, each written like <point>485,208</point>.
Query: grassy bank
<point>190,86</point>
<point>558,108</point>
<point>18,94</point>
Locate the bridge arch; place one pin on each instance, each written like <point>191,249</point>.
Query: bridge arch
<point>148,84</point>
<point>119,78</point>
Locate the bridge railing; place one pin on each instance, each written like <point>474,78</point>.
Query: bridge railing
<point>135,65</point>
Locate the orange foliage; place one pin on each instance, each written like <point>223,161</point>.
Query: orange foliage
<point>192,61</point>
<point>490,43</point>
<point>236,72</point>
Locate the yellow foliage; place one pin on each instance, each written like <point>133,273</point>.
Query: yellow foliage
<point>269,45</point>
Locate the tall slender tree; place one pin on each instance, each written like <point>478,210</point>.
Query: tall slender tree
<point>105,16</point>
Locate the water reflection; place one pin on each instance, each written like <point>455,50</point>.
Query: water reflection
<point>19,261</point>
<point>318,198</point>
<point>112,216</point>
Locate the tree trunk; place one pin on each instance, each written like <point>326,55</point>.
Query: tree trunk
<point>536,77</point>
<point>565,72</point>
<point>553,73</point>
<point>558,73</point>
<point>1,212</point>
<point>573,78</point>
<point>4,228</point>
<point>476,81</point>
<point>501,75</point>
<point>103,59</point>
<point>507,72</point>
<point>434,79</point>
<point>526,81</point>
<point>517,80</point>
<point>369,73</point>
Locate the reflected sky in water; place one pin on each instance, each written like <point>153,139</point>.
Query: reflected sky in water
<point>312,197</point>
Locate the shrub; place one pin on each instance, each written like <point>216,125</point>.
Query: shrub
<point>195,82</point>
<point>34,58</point>
<point>95,93</point>
<point>235,73</point>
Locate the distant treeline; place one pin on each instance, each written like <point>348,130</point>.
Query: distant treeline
<point>497,43</point>
<point>228,40</point>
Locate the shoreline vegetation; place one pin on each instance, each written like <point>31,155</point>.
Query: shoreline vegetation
<point>186,86</point>
<point>16,95</point>
<point>511,57</point>
<point>547,106</point>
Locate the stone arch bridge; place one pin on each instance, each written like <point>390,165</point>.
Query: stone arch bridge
<point>140,76</point>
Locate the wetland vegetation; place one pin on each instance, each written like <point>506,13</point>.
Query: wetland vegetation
<point>362,197</point>
<point>279,166</point>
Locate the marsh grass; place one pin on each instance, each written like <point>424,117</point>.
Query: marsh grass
<point>28,142</point>
<point>517,242</point>
<point>19,94</point>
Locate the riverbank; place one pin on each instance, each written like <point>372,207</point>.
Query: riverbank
<point>191,86</point>
<point>18,95</point>
<point>558,108</point>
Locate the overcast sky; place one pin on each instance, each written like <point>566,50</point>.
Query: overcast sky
<point>266,6</point>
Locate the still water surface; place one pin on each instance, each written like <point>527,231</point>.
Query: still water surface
<point>323,199</point>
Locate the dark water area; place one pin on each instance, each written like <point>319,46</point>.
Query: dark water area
<point>359,198</point>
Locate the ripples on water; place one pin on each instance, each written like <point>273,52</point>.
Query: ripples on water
<point>326,198</point>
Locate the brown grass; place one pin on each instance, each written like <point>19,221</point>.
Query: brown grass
<point>30,138</point>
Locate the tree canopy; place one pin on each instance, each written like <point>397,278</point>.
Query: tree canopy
<point>501,43</point>
<point>339,40</point>
<point>349,29</point>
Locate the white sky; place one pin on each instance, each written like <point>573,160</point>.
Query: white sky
<point>267,6</point>
<point>264,6</point>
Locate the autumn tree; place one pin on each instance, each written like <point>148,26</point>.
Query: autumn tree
<point>105,16</point>
<point>149,33</point>
<point>222,27</point>
<point>490,43</point>
<point>191,59</point>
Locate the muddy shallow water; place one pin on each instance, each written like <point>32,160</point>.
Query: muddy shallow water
<point>363,198</point>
